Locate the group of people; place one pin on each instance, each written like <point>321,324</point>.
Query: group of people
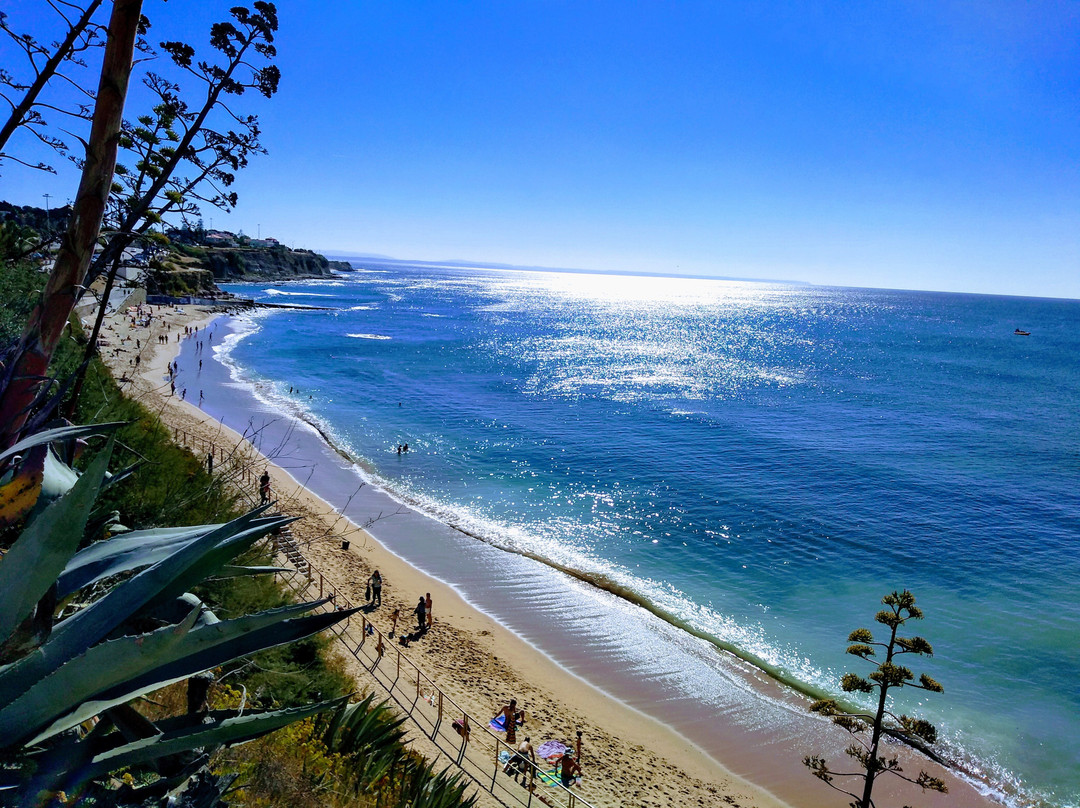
<point>424,619</point>
<point>422,610</point>
<point>509,717</point>
<point>524,760</point>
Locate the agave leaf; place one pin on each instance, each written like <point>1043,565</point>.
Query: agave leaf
<point>21,491</point>
<point>71,637</point>
<point>119,476</point>
<point>131,551</point>
<point>232,571</point>
<point>60,433</point>
<point>215,643</point>
<point>57,478</point>
<point>36,558</point>
<point>222,732</point>
<point>208,563</point>
<point>174,611</point>
<point>78,680</point>
<point>119,670</point>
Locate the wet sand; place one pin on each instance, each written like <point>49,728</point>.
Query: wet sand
<point>629,757</point>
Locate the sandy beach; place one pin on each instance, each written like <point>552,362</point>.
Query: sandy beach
<point>628,757</point>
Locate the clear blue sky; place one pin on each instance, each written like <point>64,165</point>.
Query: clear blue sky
<point>909,145</point>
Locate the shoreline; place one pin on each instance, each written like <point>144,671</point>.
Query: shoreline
<point>507,653</point>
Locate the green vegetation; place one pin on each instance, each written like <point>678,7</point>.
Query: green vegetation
<point>887,675</point>
<point>20,285</point>
<point>87,626</point>
<point>189,250</point>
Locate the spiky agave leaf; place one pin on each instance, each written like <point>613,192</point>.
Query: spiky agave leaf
<point>44,548</point>
<point>157,584</point>
<point>138,549</point>
<point>236,571</point>
<point>220,728</point>
<point>59,433</point>
<point>20,489</point>
<point>117,671</point>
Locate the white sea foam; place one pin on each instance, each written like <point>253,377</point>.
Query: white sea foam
<point>296,294</point>
<point>368,336</point>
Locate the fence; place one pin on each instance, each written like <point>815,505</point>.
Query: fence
<point>464,739</point>
<point>239,461</point>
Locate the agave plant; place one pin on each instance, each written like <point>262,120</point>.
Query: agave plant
<point>370,736</point>
<point>83,632</point>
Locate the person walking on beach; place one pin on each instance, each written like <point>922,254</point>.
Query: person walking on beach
<point>420,612</point>
<point>376,589</point>
<point>519,763</point>
<point>393,621</point>
<point>264,488</point>
<point>427,608</point>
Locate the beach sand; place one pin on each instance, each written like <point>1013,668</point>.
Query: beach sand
<point>628,758</point>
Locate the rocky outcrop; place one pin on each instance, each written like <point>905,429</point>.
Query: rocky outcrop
<point>264,264</point>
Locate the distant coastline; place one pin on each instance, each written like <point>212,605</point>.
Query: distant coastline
<point>457,263</point>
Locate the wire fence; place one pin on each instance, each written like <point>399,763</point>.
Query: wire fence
<point>467,741</point>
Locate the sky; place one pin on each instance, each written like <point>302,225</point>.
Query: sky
<point>917,145</point>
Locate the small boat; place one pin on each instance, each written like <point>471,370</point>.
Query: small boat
<point>1019,333</point>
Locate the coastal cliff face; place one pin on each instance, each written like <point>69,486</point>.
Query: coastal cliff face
<point>275,264</point>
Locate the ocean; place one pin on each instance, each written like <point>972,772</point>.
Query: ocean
<point>756,463</point>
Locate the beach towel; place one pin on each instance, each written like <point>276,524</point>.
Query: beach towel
<point>498,723</point>
<point>551,748</point>
<point>553,780</point>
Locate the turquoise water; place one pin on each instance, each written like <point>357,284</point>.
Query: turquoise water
<point>760,462</point>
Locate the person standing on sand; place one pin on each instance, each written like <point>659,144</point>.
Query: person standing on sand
<point>568,768</point>
<point>393,621</point>
<point>420,611</point>
<point>264,488</point>
<point>510,714</point>
<point>376,589</point>
<point>427,608</point>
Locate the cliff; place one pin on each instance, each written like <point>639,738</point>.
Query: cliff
<point>264,264</point>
